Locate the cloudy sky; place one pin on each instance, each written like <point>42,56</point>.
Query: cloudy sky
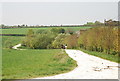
<point>46,13</point>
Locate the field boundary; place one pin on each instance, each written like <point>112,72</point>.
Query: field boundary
<point>12,35</point>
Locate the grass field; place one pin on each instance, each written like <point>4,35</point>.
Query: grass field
<point>24,30</point>
<point>103,55</point>
<point>30,63</point>
<point>10,40</point>
<point>22,64</point>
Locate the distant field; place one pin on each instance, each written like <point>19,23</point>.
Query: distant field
<point>22,64</point>
<point>24,30</point>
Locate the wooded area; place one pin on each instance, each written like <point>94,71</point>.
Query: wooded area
<point>101,39</point>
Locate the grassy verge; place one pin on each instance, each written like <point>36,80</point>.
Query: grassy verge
<point>103,55</point>
<point>25,64</point>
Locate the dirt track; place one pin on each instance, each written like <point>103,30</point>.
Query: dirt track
<point>89,67</point>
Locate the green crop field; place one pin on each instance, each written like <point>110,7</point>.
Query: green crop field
<point>22,64</point>
<point>24,30</point>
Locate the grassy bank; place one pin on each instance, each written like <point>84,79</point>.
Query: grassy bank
<point>103,55</point>
<point>24,30</point>
<point>24,64</point>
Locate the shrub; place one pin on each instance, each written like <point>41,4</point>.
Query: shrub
<point>71,41</point>
<point>39,40</point>
<point>42,41</point>
<point>59,40</point>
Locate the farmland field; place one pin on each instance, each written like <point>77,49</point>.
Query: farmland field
<point>30,63</point>
<point>24,30</point>
<point>21,64</point>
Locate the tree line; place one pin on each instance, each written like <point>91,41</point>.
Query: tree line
<point>101,39</point>
<point>37,26</point>
<point>50,39</point>
<point>92,24</point>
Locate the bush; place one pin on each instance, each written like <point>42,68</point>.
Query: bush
<point>59,40</point>
<point>41,40</point>
<point>71,41</point>
<point>63,39</point>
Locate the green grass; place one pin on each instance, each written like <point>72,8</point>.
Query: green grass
<point>26,64</point>
<point>23,64</point>
<point>103,55</point>
<point>11,40</point>
<point>24,30</point>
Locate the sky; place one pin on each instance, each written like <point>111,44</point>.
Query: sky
<point>59,0</point>
<point>52,13</point>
